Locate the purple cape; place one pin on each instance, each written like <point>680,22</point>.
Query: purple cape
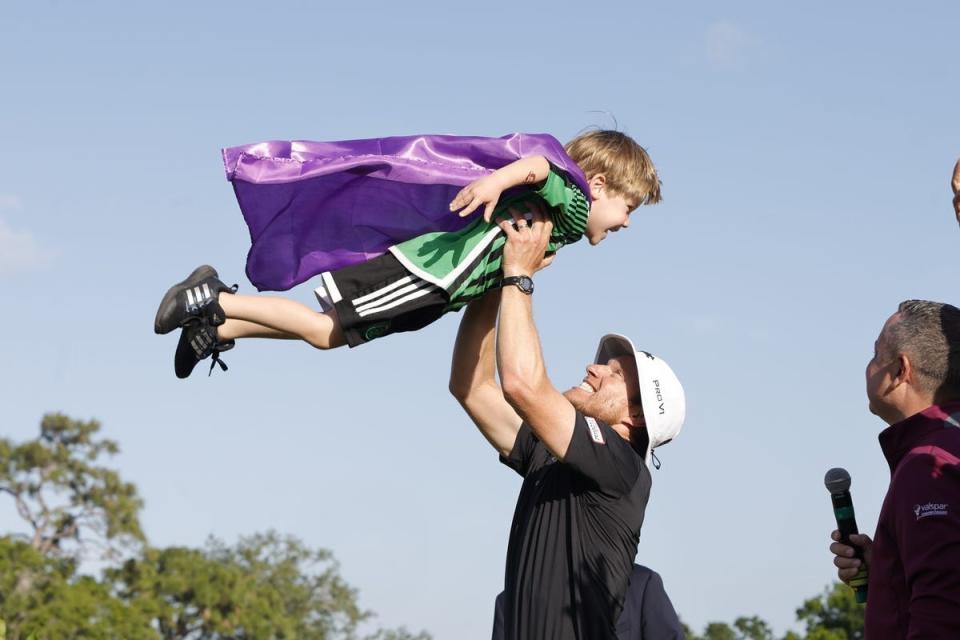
<point>317,206</point>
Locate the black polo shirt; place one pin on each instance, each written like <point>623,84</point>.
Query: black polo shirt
<point>574,534</point>
<point>647,613</point>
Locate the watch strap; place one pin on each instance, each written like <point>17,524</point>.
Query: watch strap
<point>524,283</point>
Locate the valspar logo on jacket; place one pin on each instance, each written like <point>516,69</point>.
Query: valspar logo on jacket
<point>930,509</point>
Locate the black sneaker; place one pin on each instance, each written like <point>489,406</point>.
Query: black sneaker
<point>199,341</point>
<point>187,300</point>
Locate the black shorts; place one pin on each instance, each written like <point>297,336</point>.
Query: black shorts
<point>379,297</point>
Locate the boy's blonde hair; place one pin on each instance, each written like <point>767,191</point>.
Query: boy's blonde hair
<point>624,163</point>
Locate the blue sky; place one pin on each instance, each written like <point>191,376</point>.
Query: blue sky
<point>805,152</point>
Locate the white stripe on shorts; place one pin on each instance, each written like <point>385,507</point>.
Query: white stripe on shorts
<point>331,287</point>
<point>391,296</point>
<point>381,291</point>
<point>413,296</point>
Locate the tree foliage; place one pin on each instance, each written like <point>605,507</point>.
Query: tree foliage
<point>43,597</point>
<point>832,615</point>
<point>62,493</point>
<point>267,586</point>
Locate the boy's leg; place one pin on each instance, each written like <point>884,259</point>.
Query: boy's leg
<point>200,340</point>
<point>234,329</point>
<point>272,317</point>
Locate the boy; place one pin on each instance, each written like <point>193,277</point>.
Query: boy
<point>309,214</point>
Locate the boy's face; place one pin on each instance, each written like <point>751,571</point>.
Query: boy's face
<point>609,212</point>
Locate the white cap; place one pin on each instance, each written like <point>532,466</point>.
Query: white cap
<point>664,403</point>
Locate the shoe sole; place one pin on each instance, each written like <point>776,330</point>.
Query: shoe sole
<point>184,361</point>
<point>163,323</point>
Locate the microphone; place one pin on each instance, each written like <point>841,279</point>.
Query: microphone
<point>837,482</point>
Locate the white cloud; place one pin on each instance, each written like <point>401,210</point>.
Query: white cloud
<point>19,251</point>
<point>726,44</point>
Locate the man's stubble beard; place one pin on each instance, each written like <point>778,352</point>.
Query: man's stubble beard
<point>589,404</point>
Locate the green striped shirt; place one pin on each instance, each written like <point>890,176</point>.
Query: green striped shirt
<point>467,263</point>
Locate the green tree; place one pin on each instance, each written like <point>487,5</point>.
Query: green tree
<point>744,628</point>
<point>54,603</point>
<point>718,631</point>
<point>267,586</point>
<point>833,615</point>
<point>67,500</point>
<point>752,628</point>
<point>69,503</point>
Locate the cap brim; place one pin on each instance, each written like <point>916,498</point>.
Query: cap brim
<point>614,345</point>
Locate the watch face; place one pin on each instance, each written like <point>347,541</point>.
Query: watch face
<point>524,283</point>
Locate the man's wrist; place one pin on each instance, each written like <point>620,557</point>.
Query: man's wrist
<point>509,272</point>
<point>522,282</point>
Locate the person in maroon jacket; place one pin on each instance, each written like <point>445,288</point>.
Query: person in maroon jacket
<point>955,185</point>
<point>913,384</point>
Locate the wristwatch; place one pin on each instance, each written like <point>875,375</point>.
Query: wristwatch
<point>524,283</point>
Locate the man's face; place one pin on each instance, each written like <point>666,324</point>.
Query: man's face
<point>606,391</point>
<point>881,371</point>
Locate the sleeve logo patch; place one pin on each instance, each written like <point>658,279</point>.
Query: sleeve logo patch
<point>930,509</point>
<point>595,434</point>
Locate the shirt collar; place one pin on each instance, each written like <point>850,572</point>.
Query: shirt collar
<point>900,437</point>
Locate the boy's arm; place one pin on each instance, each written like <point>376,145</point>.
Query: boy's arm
<point>472,375</point>
<point>486,191</point>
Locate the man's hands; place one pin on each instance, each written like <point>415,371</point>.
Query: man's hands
<point>847,565</point>
<point>527,238</point>
<point>955,183</point>
<point>485,191</point>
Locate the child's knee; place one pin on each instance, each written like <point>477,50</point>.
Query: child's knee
<point>328,334</point>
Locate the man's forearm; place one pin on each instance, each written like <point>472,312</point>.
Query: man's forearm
<point>519,355</point>
<point>473,353</point>
<point>473,375</point>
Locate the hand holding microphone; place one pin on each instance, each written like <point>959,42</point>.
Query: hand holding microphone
<point>851,548</point>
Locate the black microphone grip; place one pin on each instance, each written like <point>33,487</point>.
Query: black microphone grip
<point>837,482</point>
<point>846,521</point>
